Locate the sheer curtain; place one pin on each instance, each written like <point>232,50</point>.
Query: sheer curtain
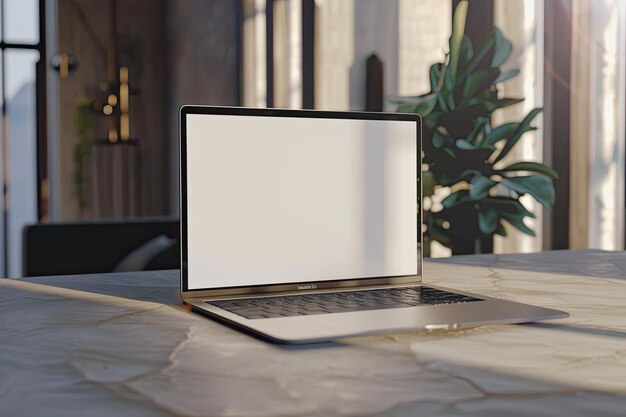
<point>597,112</point>
<point>597,124</point>
<point>522,23</point>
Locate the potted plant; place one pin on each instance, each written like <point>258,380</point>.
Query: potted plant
<point>464,151</point>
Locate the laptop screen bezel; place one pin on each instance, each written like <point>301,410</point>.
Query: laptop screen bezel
<point>296,286</point>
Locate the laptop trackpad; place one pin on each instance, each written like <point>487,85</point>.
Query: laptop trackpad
<point>425,317</point>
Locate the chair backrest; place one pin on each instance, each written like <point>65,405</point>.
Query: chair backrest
<point>102,246</point>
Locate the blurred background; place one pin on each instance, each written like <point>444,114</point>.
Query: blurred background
<point>90,92</point>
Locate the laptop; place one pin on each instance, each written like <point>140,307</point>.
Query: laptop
<point>304,226</point>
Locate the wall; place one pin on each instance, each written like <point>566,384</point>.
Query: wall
<point>179,52</point>
<point>74,35</point>
<point>203,65</point>
<point>522,24</point>
<point>403,33</point>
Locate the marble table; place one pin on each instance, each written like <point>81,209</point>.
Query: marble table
<point>123,345</point>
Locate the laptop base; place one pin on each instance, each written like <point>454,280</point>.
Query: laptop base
<point>327,327</point>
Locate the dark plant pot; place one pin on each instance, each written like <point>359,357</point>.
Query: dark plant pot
<point>465,246</point>
<point>464,233</point>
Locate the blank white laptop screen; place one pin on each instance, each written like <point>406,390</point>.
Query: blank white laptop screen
<point>274,200</point>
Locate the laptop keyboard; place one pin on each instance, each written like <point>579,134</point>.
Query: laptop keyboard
<point>339,302</point>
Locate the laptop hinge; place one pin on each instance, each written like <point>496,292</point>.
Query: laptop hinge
<point>300,292</point>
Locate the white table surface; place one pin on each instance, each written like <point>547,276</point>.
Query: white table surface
<point>123,345</point>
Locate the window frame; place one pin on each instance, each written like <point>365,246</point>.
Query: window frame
<point>40,128</point>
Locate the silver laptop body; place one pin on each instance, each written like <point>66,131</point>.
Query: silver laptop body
<point>294,203</point>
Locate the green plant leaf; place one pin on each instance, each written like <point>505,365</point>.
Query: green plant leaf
<point>477,85</point>
<point>506,75</point>
<point>441,99</point>
<point>428,183</point>
<point>450,200</point>
<point>503,49</point>
<point>435,75</point>
<point>465,173</point>
<point>501,102</point>
<point>437,139</point>
<point>523,127</point>
<point>426,107</point>
<point>500,230</point>
<point>532,167</point>
<point>450,102</point>
<point>480,187</point>
<point>450,152</point>
<point>432,120</point>
<point>508,205</point>
<point>458,30</point>
<point>438,233</point>
<point>401,100</point>
<point>422,106</point>
<point>487,221</point>
<point>497,134</point>
<point>455,198</point>
<point>483,48</point>
<point>473,83</point>
<point>405,108</point>
<point>479,125</point>
<point>467,51</point>
<point>464,145</point>
<point>538,186</point>
<point>412,99</point>
<point>465,112</point>
<point>518,223</point>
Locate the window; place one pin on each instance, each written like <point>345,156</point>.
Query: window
<point>20,51</point>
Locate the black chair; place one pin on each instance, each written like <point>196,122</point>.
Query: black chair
<point>102,246</point>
